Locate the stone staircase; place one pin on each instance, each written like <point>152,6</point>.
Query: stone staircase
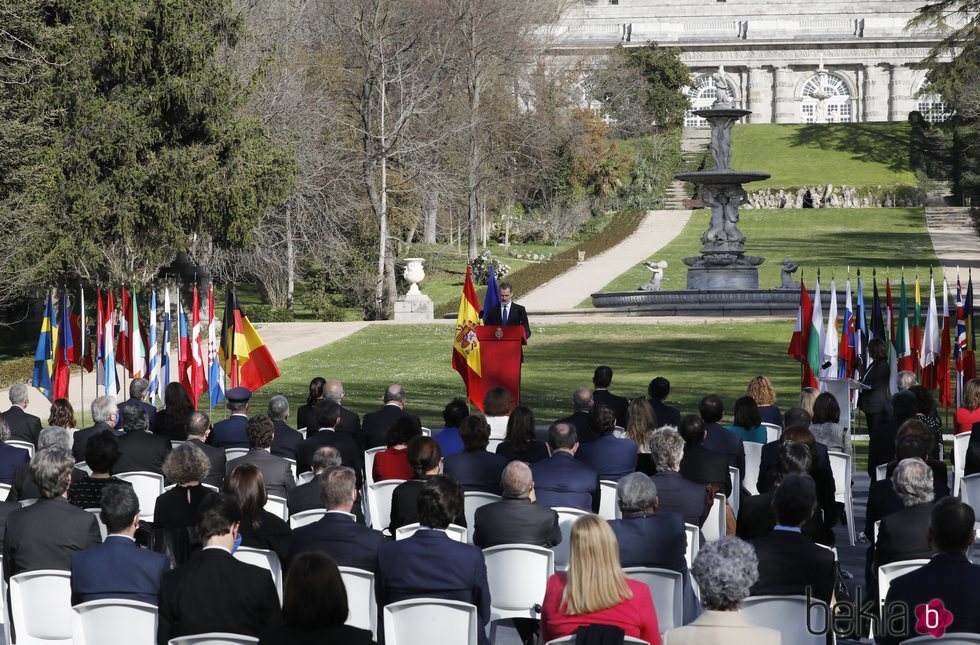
<point>694,146</point>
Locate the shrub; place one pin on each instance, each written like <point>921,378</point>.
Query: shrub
<point>268,313</point>
<point>480,266</point>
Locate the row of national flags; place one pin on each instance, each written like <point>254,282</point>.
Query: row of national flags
<point>917,341</point>
<point>142,347</point>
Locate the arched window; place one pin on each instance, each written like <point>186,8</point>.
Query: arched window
<point>702,95</point>
<point>931,105</point>
<point>826,99</point>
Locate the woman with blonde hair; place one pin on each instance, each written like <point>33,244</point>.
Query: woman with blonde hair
<point>808,396</point>
<point>969,414</point>
<point>641,421</point>
<point>594,589</point>
<point>760,389</point>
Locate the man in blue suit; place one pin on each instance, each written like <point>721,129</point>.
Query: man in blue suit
<point>138,389</point>
<point>430,564</point>
<point>717,438</point>
<point>476,469</point>
<point>118,568</point>
<point>233,432</point>
<point>612,457</point>
<point>337,533</point>
<point>562,480</point>
<point>10,457</point>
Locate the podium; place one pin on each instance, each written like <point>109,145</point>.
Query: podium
<point>840,389</point>
<point>500,359</point>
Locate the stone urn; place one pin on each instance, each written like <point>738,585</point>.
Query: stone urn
<point>414,273</point>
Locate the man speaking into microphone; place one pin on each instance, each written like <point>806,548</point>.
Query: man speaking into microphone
<point>508,312</point>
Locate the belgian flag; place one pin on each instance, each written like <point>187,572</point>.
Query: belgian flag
<point>244,356</point>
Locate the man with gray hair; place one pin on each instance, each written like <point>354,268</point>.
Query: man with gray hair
<point>675,493</point>
<point>904,534</point>
<point>47,533</point>
<point>23,426</point>
<point>105,415</point>
<point>306,497</point>
<point>350,422</point>
<point>139,389</point>
<point>581,406</point>
<point>24,486</point>
<point>287,438</point>
<point>516,519</point>
<point>198,429</point>
<point>376,424</point>
<point>11,457</point>
<point>337,533</point>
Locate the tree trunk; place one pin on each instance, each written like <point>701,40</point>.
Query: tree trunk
<point>290,259</point>
<point>473,174</point>
<point>430,214</point>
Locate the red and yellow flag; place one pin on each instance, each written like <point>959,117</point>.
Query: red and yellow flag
<point>466,346</point>
<point>245,358</point>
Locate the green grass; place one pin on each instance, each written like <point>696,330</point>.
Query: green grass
<point>851,154</point>
<point>829,238</point>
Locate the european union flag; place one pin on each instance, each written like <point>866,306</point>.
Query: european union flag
<point>492,299</point>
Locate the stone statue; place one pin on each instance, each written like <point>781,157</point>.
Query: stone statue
<point>721,146</point>
<point>658,273</point>
<point>723,88</point>
<point>789,268</point>
<point>724,201</point>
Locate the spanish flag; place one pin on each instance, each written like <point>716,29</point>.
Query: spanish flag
<point>466,346</point>
<point>245,357</point>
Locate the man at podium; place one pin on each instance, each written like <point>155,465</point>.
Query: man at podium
<point>508,312</point>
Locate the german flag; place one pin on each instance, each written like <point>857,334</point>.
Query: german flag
<point>466,346</point>
<point>245,357</point>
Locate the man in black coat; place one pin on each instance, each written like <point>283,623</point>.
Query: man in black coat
<point>509,312</point>
<point>904,534</point>
<point>141,450</point>
<point>198,429</point>
<point>700,464</point>
<point>717,438</point>
<point>581,406</point>
<point>276,471</point>
<point>657,392</point>
<point>376,424</point>
<point>286,438</point>
<point>307,497</point>
<point>24,487</point>
<point>11,457</point>
<point>601,380</point>
<point>105,414</point>
<point>214,592</point>
<point>516,519</point>
<point>327,416</point>
<point>138,389</point>
<point>23,426</point>
<point>475,469</point>
<point>675,494</point>
<point>350,422</point>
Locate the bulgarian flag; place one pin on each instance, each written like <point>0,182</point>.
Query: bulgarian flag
<point>903,348</point>
<point>930,342</point>
<point>815,333</point>
<point>799,344</point>
<point>466,346</point>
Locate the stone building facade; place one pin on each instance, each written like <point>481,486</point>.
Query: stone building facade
<point>788,61</point>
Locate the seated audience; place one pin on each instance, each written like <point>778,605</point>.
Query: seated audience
<point>475,468</point>
<point>350,423</point>
<point>521,441</point>
<point>917,428</point>
<point>581,405</point>
<point>306,497</point>
<point>329,416</point>
<point>790,564</point>
<point>118,568</point>
<point>904,534</point>
<point>601,380</point>
<point>376,423</point>
<point>969,413</point>
<point>826,427</point>
<point>594,589</point>
<point>337,534</point>
<point>516,519</point>
<point>63,415</point>
<point>926,412</point>
<point>46,534</point>
<point>259,529</point>
<point>764,395</point>
<point>277,473</point>
<point>10,456</point>
<point>612,458</point>
<point>675,494</point>
<point>305,415</point>
<point>497,404</point>
<point>657,392</point>
<point>314,607</point>
<point>101,454</point>
<point>141,451</point>
<point>716,437</point>
<point>177,508</point>
<point>139,388</point>
<point>23,426</point>
<point>882,437</point>
<point>452,415</point>
<point>640,424</point>
<point>392,462</point>
<point>648,538</point>
<point>561,479</point>
<point>747,423</point>
<point>24,486</point>
<point>105,415</point>
<point>214,592</point>
<point>808,396</point>
<point>171,422</point>
<point>286,438</point>
<point>700,464</point>
<point>725,571</point>
<point>947,575</point>
<point>198,429</point>
<point>233,431</point>
<point>426,459</point>
<point>430,564</point>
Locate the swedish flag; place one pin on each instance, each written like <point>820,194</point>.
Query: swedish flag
<point>44,354</point>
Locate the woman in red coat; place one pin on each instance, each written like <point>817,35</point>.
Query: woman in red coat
<point>392,463</point>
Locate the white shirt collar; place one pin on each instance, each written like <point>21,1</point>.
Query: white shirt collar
<point>122,535</point>
<point>218,548</point>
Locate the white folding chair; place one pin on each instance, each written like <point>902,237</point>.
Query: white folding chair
<point>102,527</point>
<point>876,529</point>
<point>693,544</point>
<point>454,531</point>
<point>40,607</point>
<point>214,638</point>
<point>493,443</point>
<point>361,603</point>
<point>570,640</point>
<point>949,638</point>
<point>426,432</point>
<point>890,571</point>
<point>773,431</point>
<point>81,465</point>
<point>736,495</point>
<point>418,621</point>
<point>24,445</point>
<point>473,500</point>
<point>566,517</point>
<point>840,464</point>
<point>302,478</point>
<point>608,503</point>
<point>302,431</point>
<point>264,558</point>
<point>881,472</point>
<point>235,453</point>
<point>753,462</point>
<point>518,577</point>
<point>379,502</point>
<point>714,525</point>
<point>788,616</point>
<point>369,464</point>
<point>667,590</point>
<point>960,443</point>
<point>114,622</point>
<point>970,493</point>
<point>4,491</point>
<point>277,506</point>
<point>306,517</point>
<point>176,442</point>
<point>148,487</point>
<point>292,466</point>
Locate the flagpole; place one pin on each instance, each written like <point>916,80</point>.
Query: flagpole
<point>81,372</point>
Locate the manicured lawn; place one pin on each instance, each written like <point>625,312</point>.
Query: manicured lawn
<point>852,154</point>
<point>829,238</point>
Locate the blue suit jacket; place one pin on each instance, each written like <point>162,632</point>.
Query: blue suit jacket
<point>563,480</point>
<point>230,433</point>
<point>478,470</point>
<point>450,442</point>
<point>151,410</point>
<point>432,565</point>
<point>10,458</point>
<point>350,544</point>
<point>726,443</point>
<point>612,458</point>
<point>117,568</point>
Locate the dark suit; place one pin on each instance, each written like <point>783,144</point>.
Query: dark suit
<point>142,451</point>
<point>948,577</point>
<point>218,459</point>
<point>726,443</point>
<point>24,486</point>
<point>881,442</point>
<point>177,507</point>
<point>875,400</point>
<point>769,465</point>
<point>611,457</point>
<point>618,404</point>
<point>10,459</point>
<point>45,535</point>
<point>285,442</point>
<point>290,635</point>
<point>230,433</point>
<point>81,437</point>
<point>688,499</point>
<point>430,564</point>
<point>516,315</point>
<point>350,454</point>
<point>515,521</point>
<point>705,466</point>
<point>277,472</point>
<point>666,415</point>
<point>350,423</point>
<point>405,507</point>
<point>376,424</point>
<point>337,534</point>
<point>117,568</point>
<point>6,508</point>
<point>305,497</point>
<point>23,426</point>
<point>904,535</point>
<point>790,563</point>
<point>213,592</point>
<point>476,470</point>
<point>306,417</point>
<point>580,421</point>
<point>167,425</point>
<point>151,410</point>
<point>563,481</point>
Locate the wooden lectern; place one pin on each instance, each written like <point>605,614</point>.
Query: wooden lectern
<point>840,389</point>
<point>500,358</point>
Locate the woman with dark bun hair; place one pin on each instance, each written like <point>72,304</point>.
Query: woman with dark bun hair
<point>521,442</point>
<point>305,415</point>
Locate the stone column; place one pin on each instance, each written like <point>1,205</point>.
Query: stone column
<point>785,103</point>
<point>759,95</point>
<point>902,101</point>
<point>876,92</point>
